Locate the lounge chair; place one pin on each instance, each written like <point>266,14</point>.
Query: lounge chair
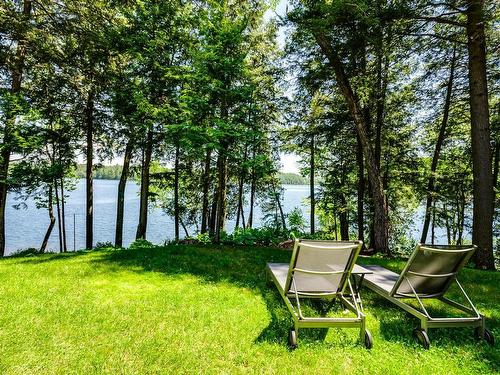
<point>320,269</point>
<point>428,274</point>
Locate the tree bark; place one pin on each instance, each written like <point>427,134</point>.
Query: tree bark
<point>344,220</point>
<point>361,192</point>
<point>213,214</point>
<point>437,151</point>
<point>205,214</point>
<point>63,216</point>
<point>433,226</point>
<point>6,147</point>
<point>242,216</point>
<point>380,208</point>
<point>221,194</point>
<point>50,209</point>
<point>483,206</point>
<point>335,226</point>
<point>496,164</point>
<point>176,192</point>
<point>120,204</point>
<point>58,206</point>
<point>311,185</point>
<point>241,184</point>
<point>447,223</point>
<point>89,219</point>
<point>252,200</point>
<point>252,196</point>
<point>280,208</point>
<point>186,233</point>
<point>143,209</point>
<point>382,81</point>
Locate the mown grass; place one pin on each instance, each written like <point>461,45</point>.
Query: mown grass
<point>206,309</point>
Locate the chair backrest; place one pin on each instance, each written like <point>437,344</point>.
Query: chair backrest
<point>321,267</point>
<point>431,269</point>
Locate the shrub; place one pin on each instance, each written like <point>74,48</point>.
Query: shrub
<point>296,220</point>
<point>254,236</point>
<point>104,245</point>
<point>204,238</point>
<point>26,252</point>
<point>140,243</point>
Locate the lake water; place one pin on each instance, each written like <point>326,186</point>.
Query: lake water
<point>26,227</point>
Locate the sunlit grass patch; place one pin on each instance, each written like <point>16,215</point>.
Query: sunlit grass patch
<point>197,309</point>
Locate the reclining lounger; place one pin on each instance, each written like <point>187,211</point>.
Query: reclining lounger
<point>429,273</point>
<point>320,269</point>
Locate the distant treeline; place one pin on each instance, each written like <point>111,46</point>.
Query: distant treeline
<point>113,172</point>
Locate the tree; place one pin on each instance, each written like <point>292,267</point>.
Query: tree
<point>482,234</point>
<point>13,64</point>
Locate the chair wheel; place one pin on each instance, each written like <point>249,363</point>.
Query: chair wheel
<point>368,340</point>
<point>488,335</point>
<point>292,339</point>
<point>422,337</point>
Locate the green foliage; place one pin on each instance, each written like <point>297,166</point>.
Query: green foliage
<point>264,236</point>
<point>29,252</point>
<point>102,172</point>
<point>296,220</point>
<point>292,179</point>
<point>104,245</point>
<point>140,244</point>
<point>254,236</point>
<point>204,238</point>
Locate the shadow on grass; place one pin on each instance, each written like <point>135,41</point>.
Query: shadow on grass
<point>40,258</point>
<point>245,267</point>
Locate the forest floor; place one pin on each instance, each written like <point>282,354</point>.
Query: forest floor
<point>207,309</point>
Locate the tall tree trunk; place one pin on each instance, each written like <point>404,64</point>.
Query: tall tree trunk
<point>461,217</point>
<point>186,233</point>
<point>63,216</point>
<point>335,226</point>
<point>252,201</point>
<point>253,182</point>
<point>242,216</point>
<point>120,203</point>
<point>205,214</point>
<point>89,220</point>
<point>50,209</point>
<point>361,192</point>
<point>437,150</point>
<point>311,185</point>
<point>58,206</point>
<point>344,220</point>
<point>380,208</point>
<point>382,81</point>
<point>221,194</point>
<point>143,209</point>
<point>280,207</point>
<point>241,184</point>
<point>482,220</point>
<point>6,146</point>
<point>176,192</point>
<point>447,223</point>
<point>433,227</point>
<point>496,164</point>
<point>213,214</point>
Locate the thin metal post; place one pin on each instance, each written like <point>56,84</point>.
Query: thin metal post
<point>74,232</point>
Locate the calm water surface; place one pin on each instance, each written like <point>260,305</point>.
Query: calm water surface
<point>26,227</point>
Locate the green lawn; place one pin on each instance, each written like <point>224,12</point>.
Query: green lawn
<point>189,309</point>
